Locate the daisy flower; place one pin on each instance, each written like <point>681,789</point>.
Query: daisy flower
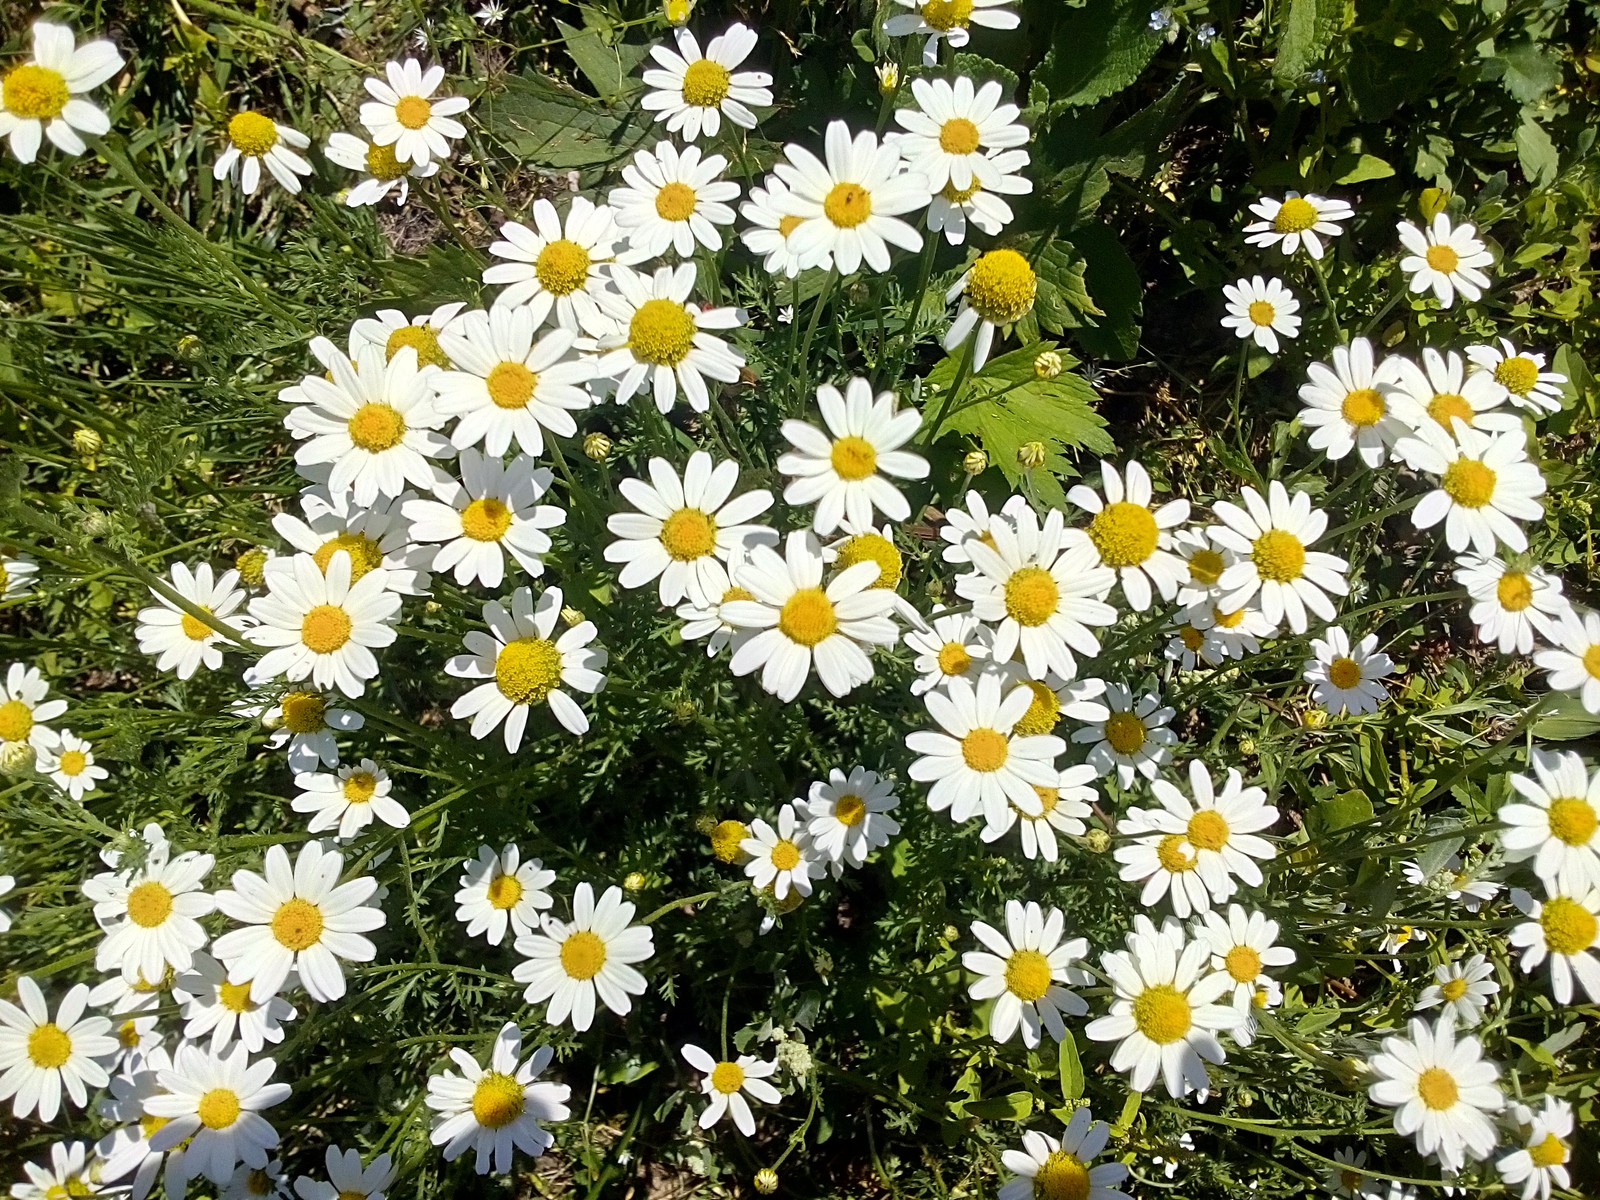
<point>727,1082</point>
<point>975,521</point>
<point>500,890</point>
<point>226,1011</point>
<point>1486,485</point>
<point>685,529</point>
<point>526,664</point>
<point>1511,604</point>
<point>496,1111</point>
<point>297,918</point>
<point>1565,928</point>
<point>1261,309</point>
<point>1243,946</point>
<point>1204,563</point>
<point>1059,1167</point>
<point>1441,1090</point>
<point>322,626</point>
<point>782,858</point>
<point>998,289</point>
<point>647,330</point>
<point>373,535</point>
<point>767,208</point>
<point>1518,376</point>
<point>1442,392</point>
<point>955,125</point>
<point>571,964</point>
<point>253,1183</point>
<point>1272,537</point>
<point>1463,988</point>
<point>43,96</point>
<point>133,1008</point>
<point>1556,823</point>
<point>952,209</point>
<point>877,547</point>
<point>348,1178</point>
<point>844,471</point>
<point>803,624</point>
<point>674,200</point>
<point>1573,662</point>
<point>1347,404</point>
<point>181,642</point>
<point>850,816</point>
<point>1196,638</point>
<point>381,172</point>
<point>1345,679</point>
<point>69,1174</point>
<point>851,205</point>
<point>1444,258</point>
<point>403,113</point>
<point>494,511</point>
<point>24,710</point>
<point>1129,535</point>
<point>1455,881</point>
<point>1346,1177</point>
<point>1296,221</point>
<point>375,422</point>
<point>950,20</point>
<point>555,268</point>
<point>151,915</point>
<point>17,576</point>
<point>71,766</point>
<point>954,646</point>
<point>975,760</point>
<point>213,1104</point>
<point>1023,970</point>
<point>710,621</point>
<point>393,331</point>
<point>1398,938</point>
<point>125,1150</point>
<point>1125,735</point>
<point>1540,1164</point>
<point>349,800</point>
<point>692,91</point>
<point>1165,1012</point>
<point>255,140</point>
<point>1064,806</point>
<point>308,725</point>
<point>43,1056</point>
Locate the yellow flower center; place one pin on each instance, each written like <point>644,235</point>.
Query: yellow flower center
<point>847,205</point>
<point>258,1182</point>
<point>1295,215</point>
<point>413,111</point>
<point>1514,591</point>
<point>849,810</point>
<point>1517,374</point>
<point>853,458</point>
<point>497,1099</point>
<point>1044,710</point>
<point>873,548</point>
<point>1552,1152</point>
<point>727,1077</point>
<point>219,1108</point>
<point>1344,673</point>
<point>297,924</point>
<point>16,721</point>
<point>1001,286</point>
<point>1062,1176</point>
<point>725,839</point>
<point>511,385</point>
<point>958,136</point>
<point>785,855</point>
<point>954,659</point>
<point>72,762</point>
<point>1170,854</point>
<point>1351,1180</point>
<point>1569,927</point>
<point>1453,989</point>
<point>705,83</point>
<point>689,534</point>
<point>945,15</point>
<point>1191,638</point>
<point>251,565</point>
<point>235,997</point>
<point>562,267</point>
<point>787,225</point>
<point>528,670</point>
<point>1207,830</point>
<point>1572,820</point>
<point>985,749</point>
<point>1049,797</point>
<point>49,1046</point>
<point>149,904</point>
<point>359,787</point>
<point>194,628</point>
<point>1124,533</point>
<point>661,332</point>
<point>485,519</point>
<point>325,628</point>
<point>960,195</point>
<point>376,427</point>
<point>363,551</point>
<point>1125,731</point>
<point>1032,596</point>
<point>1469,483</point>
<point>807,617</point>
<point>1591,661</point>
<point>583,954</point>
<point>1437,1088</point>
<point>1442,259</point>
<point>252,134</point>
<point>504,891</point>
<point>1206,567</point>
<point>303,712</point>
<point>34,93</point>
<point>1450,406</point>
<point>1162,1013</point>
<point>128,1034</point>
<point>424,340</point>
<point>1027,975</point>
<point>1363,407</point>
<point>1279,556</point>
<point>675,202</point>
<point>149,1126</point>
<point>382,163</point>
<point>1243,963</point>
<point>1261,313</point>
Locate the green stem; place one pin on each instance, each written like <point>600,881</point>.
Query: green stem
<point>1327,298</point>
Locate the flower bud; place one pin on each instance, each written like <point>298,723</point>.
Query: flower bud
<point>976,462</point>
<point>1247,746</point>
<point>251,566</point>
<point>1097,840</point>
<point>191,348</point>
<point>1047,365</point>
<point>1314,718</point>
<point>634,881</point>
<point>87,442</point>
<point>950,933</point>
<point>17,759</point>
<point>677,12</point>
<point>766,1181</point>
<point>1030,455</point>
<point>596,447</point>
<point>794,1056</point>
<point>888,77</point>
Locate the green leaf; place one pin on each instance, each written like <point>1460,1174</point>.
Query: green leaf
<point>1305,32</point>
<point>1566,720</point>
<point>558,127</point>
<point>1098,50</point>
<point>1537,153</point>
<point>1069,1069</point>
<point>1114,282</point>
<point>610,68</point>
<point>1340,812</point>
<point>1062,300</point>
<point>1018,1106</point>
<point>1528,72</point>
<point>1130,1110</point>
<point>1363,168</point>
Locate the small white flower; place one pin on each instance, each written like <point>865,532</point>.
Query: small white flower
<point>1064,806</point>
<point>183,643</point>
<point>496,1111</point>
<point>1463,988</point>
<point>1541,1163</point>
<point>348,1178</point>
<point>1456,883</point>
<point>17,576</point>
<point>1441,392</point>
<point>549,268</point>
<point>254,140</point>
<point>374,535</point>
<point>1519,376</point>
<point>1573,662</point>
<point>499,890</point>
<point>1130,534</point>
<point>1261,309</point>
<point>212,1005</point>
<point>349,800</point>
<point>1271,538</point>
<point>784,858</point>
<point>1441,1091</point>
<point>850,816</point>
<point>1556,823</point>
<point>1511,604</point>
<point>42,1057</point>
<point>403,113</point>
<point>1048,1167</point>
<point>950,136</point>
<point>213,1103</point>
<point>494,511</point>
<point>1445,258</point>
<point>975,521</point>
<point>997,291</point>
<point>308,725</point>
<point>1023,970</point>
<point>1565,928</point>
<point>151,915</point>
<point>320,625</point>
<point>382,173</point>
<point>674,200</point>
<point>71,766</point>
<point>24,710</point>
<point>392,330</point>
<point>1345,678</point>
<point>772,223</point>
<point>1347,404</point>
<point>70,1173</point>
<point>692,91</point>
<point>43,97</point>
<point>727,1082</point>
<point>952,22</point>
<point>571,964</point>
<point>1125,735</point>
<point>1486,485</point>
<point>844,471</point>
<point>954,646</point>
<point>1297,221</point>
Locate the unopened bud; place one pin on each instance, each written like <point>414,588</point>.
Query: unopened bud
<point>634,882</point>
<point>950,933</point>
<point>677,12</point>
<point>191,348</point>
<point>766,1181</point>
<point>795,1057</point>
<point>1047,365</point>
<point>572,616</point>
<point>976,462</point>
<point>98,524</point>
<point>17,759</point>
<point>252,565</point>
<point>888,77</point>
<point>684,711</point>
<point>87,442</point>
<point>1097,840</point>
<point>1247,746</point>
<point>1030,455</point>
<point>596,447</point>
<point>1314,718</point>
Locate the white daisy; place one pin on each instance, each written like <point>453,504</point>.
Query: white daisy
<point>212,1105</point>
<point>951,209</point>
<point>844,471</point>
<point>782,858</point>
<point>1297,221</point>
<point>1205,563</point>
<point>1557,822</point>
<point>1444,258</point>
<point>496,1111</point>
<point>1463,987</point>
<point>1573,661</point>
<point>1130,536</point>
<point>1511,604</point>
<point>1442,392</point>
<point>43,96</point>
<point>975,521</point>
<point>950,20</point>
<point>382,173</point>
<point>1540,1164</point>
<point>1486,485</point>
<point>1064,804</point>
<point>692,91</point>
<point>151,914</point>
<point>181,642</point>
<point>674,200</point>
<point>255,140</point>
<point>1271,537</point>
<point>768,208</point>
<point>570,964</point>
<point>1346,1178</point>
<point>1126,735</point>
<point>254,1183</point>
<point>710,621</point>
<point>551,268</point>
<point>403,113</point>
<point>494,511</point>
<point>71,766</point>
<point>17,576</point>
<point>1441,1091</point>
<point>1165,1014</point>
<point>349,800</point>
<point>322,626</point>
<point>1345,678</point>
<point>125,1150</point>
<point>685,529</point>
<point>308,725</point>
<point>1023,970</point>
<point>70,1173</point>
<point>297,918</point>
<point>1398,938</point>
<point>1261,309</point>
<point>850,816</point>
<point>1243,946</point>
<point>997,290</point>
<point>24,710</point>
<point>949,135</point>
<point>1458,885</point>
<point>348,1178</point>
<point>526,664</point>
<point>1565,928</point>
<point>134,1008</point>
<point>1347,404</point>
<point>500,890</point>
<point>373,535</point>
<point>728,1082</point>
<point>954,646</point>
<point>42,1056</point>
<point>1048,1168</point>
<point>212,1005</point>
<point>392,330</point>
<point>975,761</point>
<point>1518,377</point>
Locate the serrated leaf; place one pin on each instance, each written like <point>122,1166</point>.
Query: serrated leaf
<point>1536,153</point>
<point>1340,812</point>
<point>609,68</point>
<point>1062,300</point>
<point>1528,72</point>
<point>1098,50</point>
<point>1305,32</point>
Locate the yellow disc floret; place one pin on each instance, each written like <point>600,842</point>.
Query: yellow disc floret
<point>1032,596</point>
<point>562,267</point>
<point>49,1046</point>
<point>873,548</point>
<point>1162,1013</point>
<point>149,904</point>
<point>945,15</point>
<point>376,428</point>
<point>504,891</point>
<point>853,458</point>
<point>1027,975</point>
<point>297,924</point>
<point>252,134</point>
<point>807,617</point>
<point>1172,856</point>
<point>1044,710</point>
<point>1569,927</point>
<point>325,629</point>
<point>363,551</point>
<point>1344,673</point>
<point>1243,963</point>
<point>511,385</point>
<point>1061,1176</point>
<point>1437,1088</point>
<point>1125,732</point>
<point>1551,1152</point>
<point>1295,215</point>
<point>34,93</point>
<point>1443,259</point>
<point>219,1108</point>
<point>1261,313</point>
<point>1517,374</point>
<point>497,1099</point>
<point>954,659</point>
<point>16,721</point>
<point>413,111</point>
<point>785,855</point>
<point>849,810</point>
<point>1362,407</point>
<point>1207,830</point>
<point>486,519</point>
<point>1001,286</point>
<point>421,338</point>
<point>1514,591</point>
<point>1279,556</point>
<point>1445,407</point>
<point>725,839</point>
<point>958,136</point>
<point>705,83</point>
<point>689,534</point>
<point>985,749</point>
<point>528,670</point>
<point>383,165</point>
<point>1572,820</point>
<point>727,1077</point>
<point>1469,483</point>
<point>583,954</point>
<point>661,332</point>
<point>847,205</point>
<point>303,712</point>
<point>1124,533</point>
<point>675,202</point>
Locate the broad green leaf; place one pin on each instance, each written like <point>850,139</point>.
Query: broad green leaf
<point>1340,812</point>
<point>1529,72</point>
<point>610,68</point>
<point>1305,31</point>
<point>555,126</point>
<point>1098,50</point>
<point>1114,283</point>
<point>1537,153</point>
<point>1018,1106</point>
<point>1566,720</point>
<point>1069,1069</point>
<point>1363,168</point>
<point>1130,1110</point>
